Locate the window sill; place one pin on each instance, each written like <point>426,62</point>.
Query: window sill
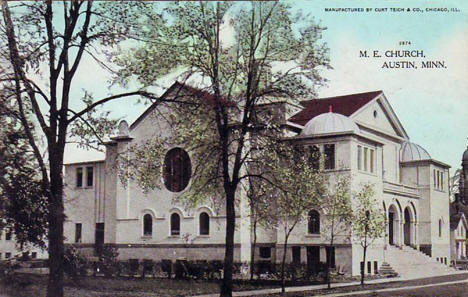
<point>203,236</point>
<point>367,172</point>
<point>173,236</point>
<point>146,237</point>
<point>313,235</point>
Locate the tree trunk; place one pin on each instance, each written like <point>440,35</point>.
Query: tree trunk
<point>364,266</point>
<point>226,286</point>
<point>56,219</point>
<point>283,261</point>
<point>329,264</point>
<point>252,251</point>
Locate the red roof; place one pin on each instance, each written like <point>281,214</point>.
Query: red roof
<point>345,105</point>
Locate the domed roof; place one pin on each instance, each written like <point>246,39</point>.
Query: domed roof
<point>412,152</point>
<point>328,123</point>
<point>465,156</point>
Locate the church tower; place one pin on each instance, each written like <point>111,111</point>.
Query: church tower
<point>463,184</point>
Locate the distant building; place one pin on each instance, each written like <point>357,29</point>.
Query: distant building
<point>358,135</point>
<point>9,249</point>
<point>458,231</point>
<point>458,213</point>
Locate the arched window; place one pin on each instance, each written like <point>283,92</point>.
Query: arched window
<point>440,228</point>
<point>204,224</point>
<point>147,225</point>
<point>314,222</point>
<point>175,224</point>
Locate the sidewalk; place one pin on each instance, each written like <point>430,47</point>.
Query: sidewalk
<point>324,286</point>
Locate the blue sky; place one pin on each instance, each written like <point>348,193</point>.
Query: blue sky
<point>432,104</point>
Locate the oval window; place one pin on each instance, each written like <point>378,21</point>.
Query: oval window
<point>177,170</point>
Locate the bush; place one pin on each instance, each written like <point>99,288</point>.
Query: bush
<point>166,267</point>
<point>75,264</point>
<point>108,261</point>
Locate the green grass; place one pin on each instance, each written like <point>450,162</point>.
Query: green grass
<point>23,285</point>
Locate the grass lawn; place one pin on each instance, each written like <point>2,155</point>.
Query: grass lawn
<point>35,285</point>
<point>25,285</point>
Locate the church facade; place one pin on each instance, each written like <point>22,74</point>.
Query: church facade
<point>360,135</point>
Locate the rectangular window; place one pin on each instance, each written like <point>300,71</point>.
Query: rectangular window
<point>435,178</point>
<point>7,255</point>
<point>359,157</point>
<point>369,267</point>
<point>438,179</point>
<point>329,152</point>
<point>0,255</point>
<point>314,157</point>
<point>7,234</point>
<point>362,267</point>
<point>442,181</point>
<point>33,255</point>
<point>371,159</point>
<point>77,232</point>
<point>376,267</point>
<point>265,252</point>
<point>79,177</point>
<point>89,176</point>
<point>365,158</point>
<point>296,254</point>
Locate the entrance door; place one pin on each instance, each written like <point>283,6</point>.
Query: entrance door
<point>407,228</point>
<point>99,238</point>
<point>390,228</point>
<point>313,259</point>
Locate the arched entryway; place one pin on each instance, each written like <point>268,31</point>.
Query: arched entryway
<point>407,227</point>
<point>393,225</point>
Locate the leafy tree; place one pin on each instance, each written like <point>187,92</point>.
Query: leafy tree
<point>336,206</point>
<point>302,188</point>
<point>369,221</point>
<point>44,44</point>
<point>271,51</point>
<point>23,204</point>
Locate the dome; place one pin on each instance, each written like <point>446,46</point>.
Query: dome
<point>465,156</point>
<point>330,122</point>
<point>412,152</point>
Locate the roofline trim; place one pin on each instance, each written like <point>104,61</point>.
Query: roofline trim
<point>84,162</point>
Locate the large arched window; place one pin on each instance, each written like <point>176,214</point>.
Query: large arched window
<point>177,170</point>
<point>175,224</point>
<point>313,222</point>
<point>147,225</point>
<point>204,224</point>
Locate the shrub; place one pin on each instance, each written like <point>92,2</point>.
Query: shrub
<point>166,267</point>
<point>75,264</point>
<point>108,261</point>
<point>133,266</point>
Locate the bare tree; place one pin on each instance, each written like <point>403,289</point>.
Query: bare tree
<point>48,41</point>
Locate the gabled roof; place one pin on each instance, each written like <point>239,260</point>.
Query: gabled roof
<point>455,220</point>
<point>175,88</point>
<point>345,105</point>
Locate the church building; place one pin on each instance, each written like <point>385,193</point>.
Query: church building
<point>360,135</point>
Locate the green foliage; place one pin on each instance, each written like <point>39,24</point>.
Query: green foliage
<point>23,203</point>
<point>369,219</point>
<point>337,209</point>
